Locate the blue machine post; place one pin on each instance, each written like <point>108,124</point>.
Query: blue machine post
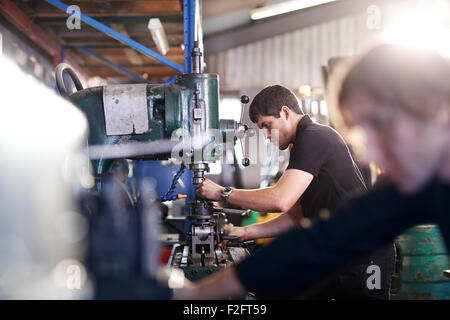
<point>189,32</point>
<point>189,38</point>
<point>62,54</point>
<point>170,80</point>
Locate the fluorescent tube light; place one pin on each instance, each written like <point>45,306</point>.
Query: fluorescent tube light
<point>284,7</point>
<point>159,36</point>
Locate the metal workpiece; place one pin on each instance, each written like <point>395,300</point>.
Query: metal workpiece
<point>203,243</point>
<point>201,209</point>
<point>203,231</point>
<point>242,213</point>
<point>205,256</point>
<point>223,258</point>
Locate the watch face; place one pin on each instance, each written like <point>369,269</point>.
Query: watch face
<point>226,191</point>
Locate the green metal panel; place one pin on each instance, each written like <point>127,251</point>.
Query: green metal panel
<point>422,240</point>
<point>423,291</point>
<point>208,86</point>
<point>425,259</point>
<point>209,93</point>
<point>173,109</point>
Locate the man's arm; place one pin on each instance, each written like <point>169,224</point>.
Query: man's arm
<point>268,229</point>
<point>278,198</point>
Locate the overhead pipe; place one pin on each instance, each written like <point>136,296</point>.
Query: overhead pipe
<point>111,64</point>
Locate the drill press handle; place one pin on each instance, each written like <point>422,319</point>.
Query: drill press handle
<point>247,132</point>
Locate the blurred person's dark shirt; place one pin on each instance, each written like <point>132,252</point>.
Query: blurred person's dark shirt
<point>304,256</point>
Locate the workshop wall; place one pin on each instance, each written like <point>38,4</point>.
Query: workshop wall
<point>290,59</point>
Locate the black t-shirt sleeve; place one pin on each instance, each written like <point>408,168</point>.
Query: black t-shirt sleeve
<point>310,152</point>
<point>301,257</point>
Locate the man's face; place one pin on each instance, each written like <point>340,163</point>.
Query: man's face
<point>275,129</point>
<point>407,149</point>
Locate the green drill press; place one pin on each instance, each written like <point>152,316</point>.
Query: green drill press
<point>123,119</point>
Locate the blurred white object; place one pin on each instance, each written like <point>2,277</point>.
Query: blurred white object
<point>41,234</point>
<point>159,35</point>
<point>423,25</point>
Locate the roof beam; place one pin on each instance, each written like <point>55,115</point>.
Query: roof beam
<point>113,19</point>
<point>133,30</point>
<point>174,40</point>
<point>108,9</point>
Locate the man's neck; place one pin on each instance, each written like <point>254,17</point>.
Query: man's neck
<point>296,121</point>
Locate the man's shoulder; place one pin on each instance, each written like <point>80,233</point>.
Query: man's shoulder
<point>317,133</point>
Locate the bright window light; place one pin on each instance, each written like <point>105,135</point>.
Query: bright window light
<point>284,7</point>
<point>423,26</point>
<point>304,90</point>
<point>230,108</point>
<point>214,168</point>
<point>323,108</point>
<point>314,107</point>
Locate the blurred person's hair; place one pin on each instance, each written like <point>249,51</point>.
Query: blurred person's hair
<point>268,102</point>
<point>415,81</point>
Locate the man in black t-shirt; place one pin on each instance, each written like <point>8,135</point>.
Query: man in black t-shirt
<point>321,177</point>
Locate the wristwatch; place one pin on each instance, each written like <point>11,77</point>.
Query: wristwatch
<point>226,192</point>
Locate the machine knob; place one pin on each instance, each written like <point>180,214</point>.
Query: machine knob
<point>246,162</point>
<point>245,99</point>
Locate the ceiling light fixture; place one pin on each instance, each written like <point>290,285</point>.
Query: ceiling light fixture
<point>284,7</point>
<point>158,34</point>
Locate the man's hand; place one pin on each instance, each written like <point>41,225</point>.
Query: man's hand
<point>230,230</point>
<point>209,190</point>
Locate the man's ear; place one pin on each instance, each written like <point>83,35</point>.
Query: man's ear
<point>285,112</point>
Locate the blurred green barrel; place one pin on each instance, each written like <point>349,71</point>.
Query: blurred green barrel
<point>425,259</point>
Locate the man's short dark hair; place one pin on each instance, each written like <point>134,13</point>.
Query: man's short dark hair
<point>269,101</point>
